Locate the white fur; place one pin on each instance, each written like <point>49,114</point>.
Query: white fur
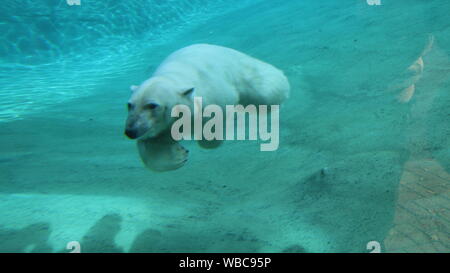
<point>219,75</point>
<point>224,76</point>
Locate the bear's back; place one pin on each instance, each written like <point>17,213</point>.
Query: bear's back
<point>219,69</point>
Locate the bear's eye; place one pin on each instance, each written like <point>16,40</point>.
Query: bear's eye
<point>130,106</point>
<point>151,105</point>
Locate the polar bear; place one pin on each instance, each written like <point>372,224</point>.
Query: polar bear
<point>219,75</point>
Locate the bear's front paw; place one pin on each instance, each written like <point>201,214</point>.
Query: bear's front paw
<point>162,156</point>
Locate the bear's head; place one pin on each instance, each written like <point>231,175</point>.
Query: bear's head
<point>150,106</point>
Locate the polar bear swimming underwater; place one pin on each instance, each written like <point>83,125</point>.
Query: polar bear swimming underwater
<point>218,75</point>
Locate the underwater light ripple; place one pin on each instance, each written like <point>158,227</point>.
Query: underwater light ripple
<point>67,70</point>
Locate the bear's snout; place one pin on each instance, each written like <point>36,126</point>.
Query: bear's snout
<point>131,133</point>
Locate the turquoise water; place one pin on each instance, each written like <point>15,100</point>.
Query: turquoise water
<point>364,137</point>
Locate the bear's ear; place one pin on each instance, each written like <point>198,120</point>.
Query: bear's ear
<point>188,93</point>
<point>134,88</point>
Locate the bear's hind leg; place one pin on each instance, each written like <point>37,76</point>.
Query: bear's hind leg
<point>209,144</point>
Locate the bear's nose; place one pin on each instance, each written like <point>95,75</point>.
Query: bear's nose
<point>131,133</point>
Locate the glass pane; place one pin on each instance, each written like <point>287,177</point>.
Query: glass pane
<point>356,158</point>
